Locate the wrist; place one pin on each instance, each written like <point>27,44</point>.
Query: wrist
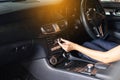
<point>75,47</point>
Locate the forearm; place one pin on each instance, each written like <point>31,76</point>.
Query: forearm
<point>97,55</point>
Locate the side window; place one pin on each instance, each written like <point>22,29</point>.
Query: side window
<point>111,0</point>
<point>112,7</point>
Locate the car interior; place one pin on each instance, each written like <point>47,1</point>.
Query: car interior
<point>29,30</point>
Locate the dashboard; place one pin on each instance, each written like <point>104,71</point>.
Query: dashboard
<point>8,6</point>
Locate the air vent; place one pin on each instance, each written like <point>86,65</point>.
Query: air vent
<point>62,24</point>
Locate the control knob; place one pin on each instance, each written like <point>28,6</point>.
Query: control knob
<point>89,67</point>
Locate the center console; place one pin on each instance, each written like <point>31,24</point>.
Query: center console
<point>60,60</point>
<point>79,65</point>
<point>59,65</point>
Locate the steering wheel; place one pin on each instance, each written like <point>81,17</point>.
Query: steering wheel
<point>93,18</point>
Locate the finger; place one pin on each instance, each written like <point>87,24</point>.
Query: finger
<point>62,46</point>
<point>64,40</point>
<point>59,43</point>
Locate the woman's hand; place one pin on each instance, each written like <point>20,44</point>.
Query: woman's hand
<point>67,45</point>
